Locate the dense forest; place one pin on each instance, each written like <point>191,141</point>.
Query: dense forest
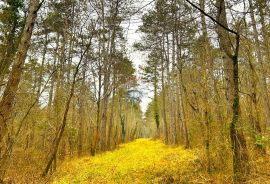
<point>71,96</point>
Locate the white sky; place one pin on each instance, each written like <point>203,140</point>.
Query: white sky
<point>138,58</point>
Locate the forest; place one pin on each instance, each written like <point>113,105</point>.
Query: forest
<point>134,91</point>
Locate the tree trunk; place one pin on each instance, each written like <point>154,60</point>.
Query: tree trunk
<point>239,148</point>
<point>82,115</point>
<point>166,138</point>
<point>206,62</point>
<point>261,63</point>
<point>7,102</point>
<point>255,119</point>
<point>182,110</point>
<point>53,152</point>
<point>110,128</point>
<point>156,109</point>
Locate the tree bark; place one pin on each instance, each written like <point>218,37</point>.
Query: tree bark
<point>9,95</point>
<point>207,61</point>
<point>261,63</point>
<point>166,133</point>
<point>239,148</point>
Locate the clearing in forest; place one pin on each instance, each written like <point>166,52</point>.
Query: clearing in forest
<point>141,161</point>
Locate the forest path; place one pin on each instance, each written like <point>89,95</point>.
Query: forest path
<point>141,161</point>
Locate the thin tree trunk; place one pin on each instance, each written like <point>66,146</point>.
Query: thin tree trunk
<point>255,119</point>
<point>56,142</point>
<point>166,133</point>
<point>62,128</point>
<point>110,128</point>
<point>206,59</point>
<point>81,119</point>
<point>182,111</point>
<point>261,64</point>
<point>156,109</point>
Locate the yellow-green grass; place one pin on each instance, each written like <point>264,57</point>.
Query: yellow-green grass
<point>141,161</point>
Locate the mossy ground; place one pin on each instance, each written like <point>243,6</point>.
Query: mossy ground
<point>142,161</point>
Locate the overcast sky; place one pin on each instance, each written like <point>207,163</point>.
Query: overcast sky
<point>137,57</point>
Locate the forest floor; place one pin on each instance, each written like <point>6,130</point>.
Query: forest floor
<point>148,161</point>
<point>141,161</point>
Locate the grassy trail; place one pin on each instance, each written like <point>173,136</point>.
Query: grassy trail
<point>142,161</point>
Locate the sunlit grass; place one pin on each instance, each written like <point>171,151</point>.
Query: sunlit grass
<point>142,161</point>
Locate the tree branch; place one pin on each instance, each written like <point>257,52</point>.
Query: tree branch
<point>213,19</point>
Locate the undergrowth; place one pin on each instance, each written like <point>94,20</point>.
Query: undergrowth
<point>146,161</point>
<point>142,161</point>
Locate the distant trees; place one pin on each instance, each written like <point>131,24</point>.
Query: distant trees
<point>151,72</point>
<point>165,28</point>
